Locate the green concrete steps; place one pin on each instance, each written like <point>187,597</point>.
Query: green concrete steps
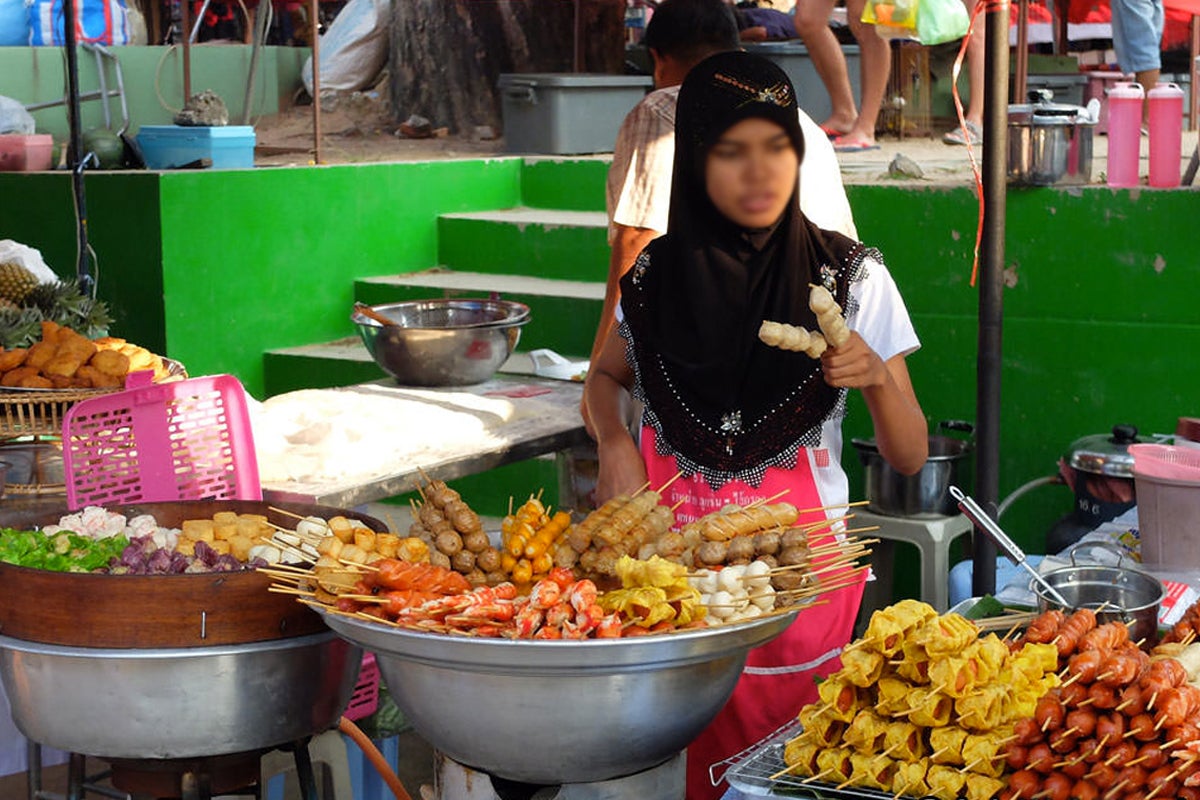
<point>571,184</point>
<point>546,243</point>
<point>564,313</point>
<point>318,366</point>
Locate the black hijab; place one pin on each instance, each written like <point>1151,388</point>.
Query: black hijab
<point>721,401</point>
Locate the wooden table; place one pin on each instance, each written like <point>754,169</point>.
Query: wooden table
<point>556,428</point>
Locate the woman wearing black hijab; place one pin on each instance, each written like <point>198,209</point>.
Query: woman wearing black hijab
<point>743,421</point>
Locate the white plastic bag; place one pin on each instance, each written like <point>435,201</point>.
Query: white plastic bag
<point>14,118</point>
<point>28,258</point>
<point>355,48</point>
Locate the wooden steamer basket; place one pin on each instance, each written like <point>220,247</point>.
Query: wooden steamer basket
<point>170,666</point>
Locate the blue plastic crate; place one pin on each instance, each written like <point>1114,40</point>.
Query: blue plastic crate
<point>368,785</point>
<point>171,146</point>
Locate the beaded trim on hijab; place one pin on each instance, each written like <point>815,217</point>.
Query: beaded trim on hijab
<point>855,271</point>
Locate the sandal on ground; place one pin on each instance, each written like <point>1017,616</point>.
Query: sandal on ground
<point>956,136</point>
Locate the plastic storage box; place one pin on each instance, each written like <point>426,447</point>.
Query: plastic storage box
<point>1068,89</point>
<point>562,114</point>
<point>171,146</point>
<point>26,153</point>
<point>793,58</point>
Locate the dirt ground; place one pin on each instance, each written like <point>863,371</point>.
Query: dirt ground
<point>356,129</point>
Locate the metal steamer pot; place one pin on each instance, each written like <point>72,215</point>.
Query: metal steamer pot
<point>1116,594</point>
<point>548,713</point>
<point>181,702</point>
<point>925,494</point>
<point>1049,144</point>
<point>170,666</point>
<point>1103,465</point>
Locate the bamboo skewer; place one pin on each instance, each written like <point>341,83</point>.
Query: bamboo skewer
<point>287,548</point>
<point>663,488</point>
<point>290,590</point>
<point>855,504</point>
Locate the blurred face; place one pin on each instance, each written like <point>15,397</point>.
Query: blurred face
<point>751,172</point>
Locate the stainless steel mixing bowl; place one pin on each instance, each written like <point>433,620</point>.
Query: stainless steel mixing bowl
<point>177,703</point>
<point>557,712</point>
<point>447,342</point>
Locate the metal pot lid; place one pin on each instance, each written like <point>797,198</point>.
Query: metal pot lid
<point>1105,454</point>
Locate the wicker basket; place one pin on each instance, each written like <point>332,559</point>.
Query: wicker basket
<point>39,413</point>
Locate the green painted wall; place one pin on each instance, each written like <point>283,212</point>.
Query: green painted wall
<point>35,75</point>
<point>216,267</point>
<point>267,258</point>
<point>572,185</point>
<point>1100,319</point>
<point>123,230</point>
<point>550,250</point>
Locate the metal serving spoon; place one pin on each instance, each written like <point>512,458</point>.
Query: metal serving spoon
<point>972,511</point>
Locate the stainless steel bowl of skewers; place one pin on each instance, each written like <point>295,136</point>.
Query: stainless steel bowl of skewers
<point>553,712</point>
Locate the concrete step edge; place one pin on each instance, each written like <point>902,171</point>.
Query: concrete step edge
<point>351,349</point>
<point>505,284</point>
<point>547,218</point>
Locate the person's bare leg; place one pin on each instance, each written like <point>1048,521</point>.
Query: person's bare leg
<point>1148,79</point>
<point>976,58</point>
<point>876,65</point>
<point>812,25</point>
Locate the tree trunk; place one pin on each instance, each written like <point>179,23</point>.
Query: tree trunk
<point>446,55</point>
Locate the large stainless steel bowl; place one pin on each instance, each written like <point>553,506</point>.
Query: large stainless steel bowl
<point>447,342</point>
<point>180,702</point>
<point>556,712</point>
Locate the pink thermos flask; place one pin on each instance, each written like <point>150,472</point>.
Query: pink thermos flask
<point>1166,134</point>
<point>1124,133</point>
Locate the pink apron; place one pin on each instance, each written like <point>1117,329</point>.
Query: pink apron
<point>779,676</point>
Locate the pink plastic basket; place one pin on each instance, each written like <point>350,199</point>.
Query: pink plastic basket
<point>187,440</point>
<point>365,699</point>
<point>1166,462</point>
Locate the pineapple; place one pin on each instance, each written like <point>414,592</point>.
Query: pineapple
<point>20,327</point>
<point>16,282</point>
<point>67,304</point>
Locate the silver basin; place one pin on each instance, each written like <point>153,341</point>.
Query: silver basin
<point>177,703</point>
<point>444,342</point>
<point>558,712</point>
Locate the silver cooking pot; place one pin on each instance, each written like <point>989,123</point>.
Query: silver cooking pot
<point>1049,144</point>
<point>926,494</point>
<point>179,702</point>
<point>1116,594</point>
<point>548,712</point>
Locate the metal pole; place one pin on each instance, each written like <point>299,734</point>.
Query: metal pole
<point>185,11</point>
<point>991,290</point>
<point>316,67</point>
<point>75,155</point>
<point>578,47</point>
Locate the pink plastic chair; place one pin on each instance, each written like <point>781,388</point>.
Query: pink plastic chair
<point>187,440</point>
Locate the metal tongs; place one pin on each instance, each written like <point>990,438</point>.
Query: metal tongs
<point>972,511</point>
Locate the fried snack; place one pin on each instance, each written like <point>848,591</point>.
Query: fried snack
<point>50,331</point>
<point>111,362</point>
<point>139,357</point>
<point>88,376</point>
<point>35,382</point>
<point>14,376</point>
<point>78,346</point>
<point>63,364</point>
<point>11,359</point>
<point>41,354</point>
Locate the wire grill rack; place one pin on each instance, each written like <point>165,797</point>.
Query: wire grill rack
<point>753,770</point>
